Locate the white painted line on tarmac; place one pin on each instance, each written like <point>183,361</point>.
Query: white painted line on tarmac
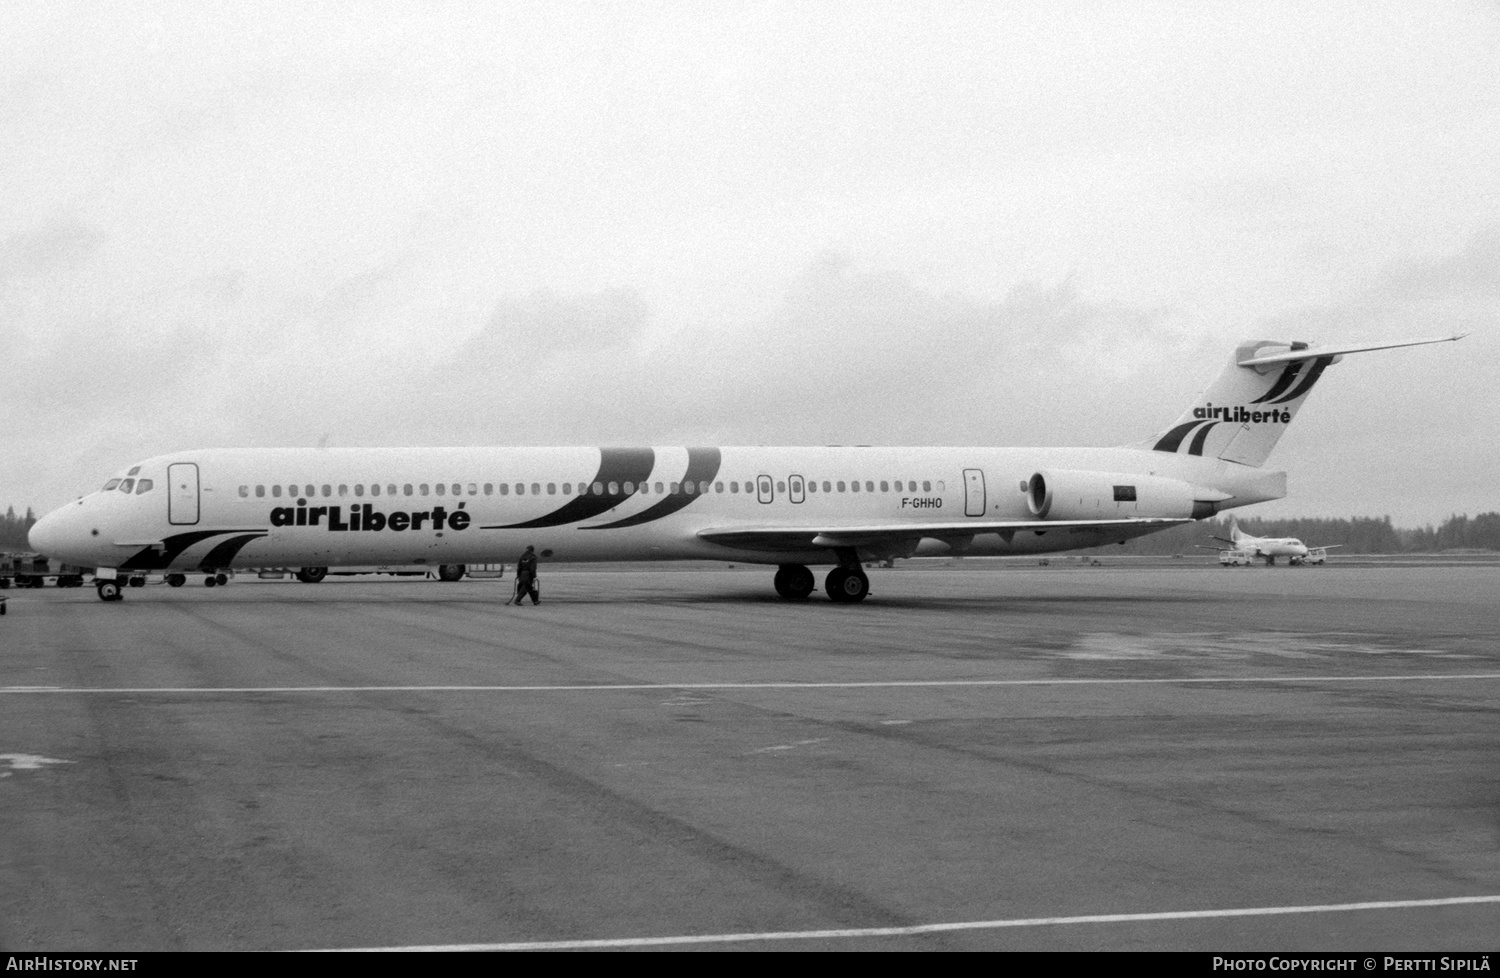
<point>659,687</point>
<point>918,929</point>
<point>778,747</point>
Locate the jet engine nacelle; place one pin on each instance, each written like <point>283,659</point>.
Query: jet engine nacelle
<point>1078,494</point>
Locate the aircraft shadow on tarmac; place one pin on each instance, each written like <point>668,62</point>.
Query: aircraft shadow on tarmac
<point>739,598</point>
<point>564,596</point>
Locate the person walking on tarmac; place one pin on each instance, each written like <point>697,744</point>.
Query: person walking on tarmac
<point>526,579</point>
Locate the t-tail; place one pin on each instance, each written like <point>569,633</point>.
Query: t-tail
<point>1236,535</point>
<point>1245,411</point>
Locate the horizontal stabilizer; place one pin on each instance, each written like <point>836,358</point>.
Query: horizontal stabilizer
<point>1311,353</point>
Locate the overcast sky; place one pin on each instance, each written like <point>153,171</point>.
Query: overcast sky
<point>261,223</point>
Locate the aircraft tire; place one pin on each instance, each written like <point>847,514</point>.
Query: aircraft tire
<point>209,581</point>
<point>223,579</point>
<point>451,572</point>
<point>846,586</point>
<point>794,582</point>
<point>137,582</point>
<point>109,591</point>
<point>176,580</point>
<point>312,575</point>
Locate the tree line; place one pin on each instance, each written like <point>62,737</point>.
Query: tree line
<point>14,528</point>
<point>1357,535</point>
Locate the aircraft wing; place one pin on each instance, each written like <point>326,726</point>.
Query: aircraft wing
<point>803,538</point>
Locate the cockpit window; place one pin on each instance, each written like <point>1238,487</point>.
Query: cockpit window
<point>134,470</point>
<point>143,486</point>
<point>127,485</point>
<point>111,484</point>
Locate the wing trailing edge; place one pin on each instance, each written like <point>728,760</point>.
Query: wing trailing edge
<point>802,538</point>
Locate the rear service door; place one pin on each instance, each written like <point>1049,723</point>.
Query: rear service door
<point>973,492</point>
<point>182,493</point>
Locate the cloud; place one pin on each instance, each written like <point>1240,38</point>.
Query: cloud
<point>63,244</point>
<point>1403,432</point>
<point>539,224</point>
<point>848,354</point>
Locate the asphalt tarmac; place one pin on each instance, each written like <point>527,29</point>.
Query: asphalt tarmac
<point>1168,756</point>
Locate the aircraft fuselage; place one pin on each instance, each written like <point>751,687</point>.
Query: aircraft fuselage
<point>228,508</point>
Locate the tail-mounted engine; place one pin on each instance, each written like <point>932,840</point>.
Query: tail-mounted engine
<point>1076,494</point>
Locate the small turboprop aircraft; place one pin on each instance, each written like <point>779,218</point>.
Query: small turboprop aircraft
<point>214,510</point>
<point>1269,548</point>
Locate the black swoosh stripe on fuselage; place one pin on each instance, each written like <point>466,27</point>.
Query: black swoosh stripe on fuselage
<point>703,465</point>
<point>1307,382</point>
<point>615,465</point>
<point>152,559</point>
<point>223,555</point>
<point>1282,383</point>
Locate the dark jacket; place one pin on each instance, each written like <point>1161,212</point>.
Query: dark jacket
<point>526,567</point>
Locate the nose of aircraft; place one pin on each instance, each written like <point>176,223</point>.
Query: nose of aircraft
<point>55,534</point>
<point>43,534</point>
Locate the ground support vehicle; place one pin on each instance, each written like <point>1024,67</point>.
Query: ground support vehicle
<point>33,570</point>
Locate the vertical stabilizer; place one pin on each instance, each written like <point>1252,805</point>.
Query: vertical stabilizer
<point>1245,411</point>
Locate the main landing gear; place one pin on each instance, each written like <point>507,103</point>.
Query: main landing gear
<point>312,575</point>
<point>794,582</point>
<point>845,584</point>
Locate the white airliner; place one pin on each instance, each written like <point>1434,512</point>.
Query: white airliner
<point>1269,548</point>
<point>217,509</point>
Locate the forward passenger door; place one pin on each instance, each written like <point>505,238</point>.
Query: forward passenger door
<point>182,493</point>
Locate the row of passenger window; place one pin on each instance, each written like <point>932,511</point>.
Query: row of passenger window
<point>536,488</point>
